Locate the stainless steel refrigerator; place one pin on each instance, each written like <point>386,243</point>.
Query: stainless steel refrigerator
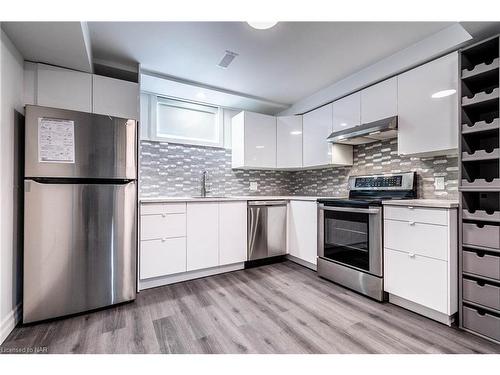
<point>80,212</point>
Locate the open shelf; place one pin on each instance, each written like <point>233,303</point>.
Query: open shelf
<point>481,126</point>
<point>480,98</point>
<point>481,173</point>
<point>480,70</point>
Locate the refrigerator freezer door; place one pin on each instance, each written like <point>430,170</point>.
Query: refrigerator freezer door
<point>104,146</point>
<point>79,247</point>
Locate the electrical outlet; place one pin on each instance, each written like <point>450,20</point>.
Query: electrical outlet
<point>439,183</point>
<point>253,186</point>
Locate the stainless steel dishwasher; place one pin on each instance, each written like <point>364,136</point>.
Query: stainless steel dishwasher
<point>266,229</point>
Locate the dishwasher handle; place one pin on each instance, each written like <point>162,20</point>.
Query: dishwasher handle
<point>267,203</point>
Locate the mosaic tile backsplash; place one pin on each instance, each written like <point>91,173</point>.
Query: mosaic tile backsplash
<point>174,170</point>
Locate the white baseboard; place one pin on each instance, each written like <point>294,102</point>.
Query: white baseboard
<point>302,262</point>
<point>422,310</point>
<point>9,322</point>
<point>184,276</point>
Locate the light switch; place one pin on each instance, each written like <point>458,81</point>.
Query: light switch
<point>253,186</point>
<point>439,183</point>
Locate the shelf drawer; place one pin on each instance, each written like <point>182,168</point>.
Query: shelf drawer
<point>163,208</point>
<point>481,264</point>
<point>163,226</point>
<point>413,277</point>
<point>162,257</point>
<point>484,294</point>
<point>481,235</point>
<point>417,214</point>
<point>424,239</point>
<point>485,324</point>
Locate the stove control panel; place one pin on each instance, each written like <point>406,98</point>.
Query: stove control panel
<point>391,181</point>
<point>395,181</point>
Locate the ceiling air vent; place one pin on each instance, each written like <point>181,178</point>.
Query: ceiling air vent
<point>227,59</point>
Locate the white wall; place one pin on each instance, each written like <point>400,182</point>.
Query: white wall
<point>11,81</point>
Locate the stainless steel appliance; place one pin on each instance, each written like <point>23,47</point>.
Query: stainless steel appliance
<point>350,231</point>
<point>266,229</point>
<point>80,214</point>
<point>386,128</point>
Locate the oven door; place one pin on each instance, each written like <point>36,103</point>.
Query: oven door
<point>351,236</point>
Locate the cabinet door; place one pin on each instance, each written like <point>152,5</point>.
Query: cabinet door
<point>202,235</point>
<point>379,101</point>
<point>289,142</point>
<point>347,112</point>
<point>232,232</point>
<point>417,278</point>
<point>162,257</point>
<point>260,140</point>
<point>63,88</point>
<point>302,230</point>
<point>317,126</point>
<point>427,125</point>
<point>115,97</point>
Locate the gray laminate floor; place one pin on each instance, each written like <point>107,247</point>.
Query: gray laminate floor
<point>280,308</point>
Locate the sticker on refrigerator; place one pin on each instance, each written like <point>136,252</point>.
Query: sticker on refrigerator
<point>56,140</point>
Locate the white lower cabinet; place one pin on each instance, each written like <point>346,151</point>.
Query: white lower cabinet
<point>162,257</point>
<point>202,235</point>
<point>232,232</point>
<point>193,236</point>
<point>420,260</point>
<point>302,231</point>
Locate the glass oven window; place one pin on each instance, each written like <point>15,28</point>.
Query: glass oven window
<point>346,238</point>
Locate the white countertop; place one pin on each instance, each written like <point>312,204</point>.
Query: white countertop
<point>433,203</point>
<point>229,198</point>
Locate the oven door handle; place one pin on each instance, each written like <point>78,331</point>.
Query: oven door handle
<point>371,211</point>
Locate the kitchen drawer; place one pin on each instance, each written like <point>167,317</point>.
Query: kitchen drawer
<point>481,235</point>
<point>424,239</point>
<point>163,226</point>
<point>162,257</point>
<point>483,323</point>
<point>417,214</point>
<point>484,294</point>
<point>479,263</point>
<point>163,208</point>
<point>416,278</point>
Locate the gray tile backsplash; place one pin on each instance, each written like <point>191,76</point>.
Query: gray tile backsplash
<point>174,170</point>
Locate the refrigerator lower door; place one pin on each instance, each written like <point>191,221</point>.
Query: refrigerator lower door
<point>79,247</point>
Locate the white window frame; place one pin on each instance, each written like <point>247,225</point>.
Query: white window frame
<point>154,100</point>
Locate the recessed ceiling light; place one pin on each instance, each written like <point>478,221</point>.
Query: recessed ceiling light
<point>343,124</point>
<point>262,25</point>
<point>296,132</point>
<point>443,93</point>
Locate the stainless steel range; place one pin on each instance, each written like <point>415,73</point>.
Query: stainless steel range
<point>350,231</point>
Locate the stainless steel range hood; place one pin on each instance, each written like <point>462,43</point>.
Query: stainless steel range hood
<point>366,133</point>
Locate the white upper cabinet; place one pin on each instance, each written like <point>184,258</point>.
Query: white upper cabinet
<point>115,97</point>
<point>63,88</point>
<point>253,141</point>
<point>289,142</point>
<point>347,112</point>
<point>317,126</point>
<point>317,151</point>
<point>428,125</point>
<point>379,101</point>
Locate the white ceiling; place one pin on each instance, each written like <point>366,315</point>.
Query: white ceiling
<point>282,64</point>
<point>58,43</point>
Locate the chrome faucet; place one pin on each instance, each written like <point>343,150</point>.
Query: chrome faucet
<point>204,177</point>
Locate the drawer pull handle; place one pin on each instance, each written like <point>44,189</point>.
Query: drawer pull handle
<point>411,222</point>
<point>163,215</point>
<point>411,255</point>
<point>163,239</point>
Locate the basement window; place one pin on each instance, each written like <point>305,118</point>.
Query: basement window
<point>187,123</point>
